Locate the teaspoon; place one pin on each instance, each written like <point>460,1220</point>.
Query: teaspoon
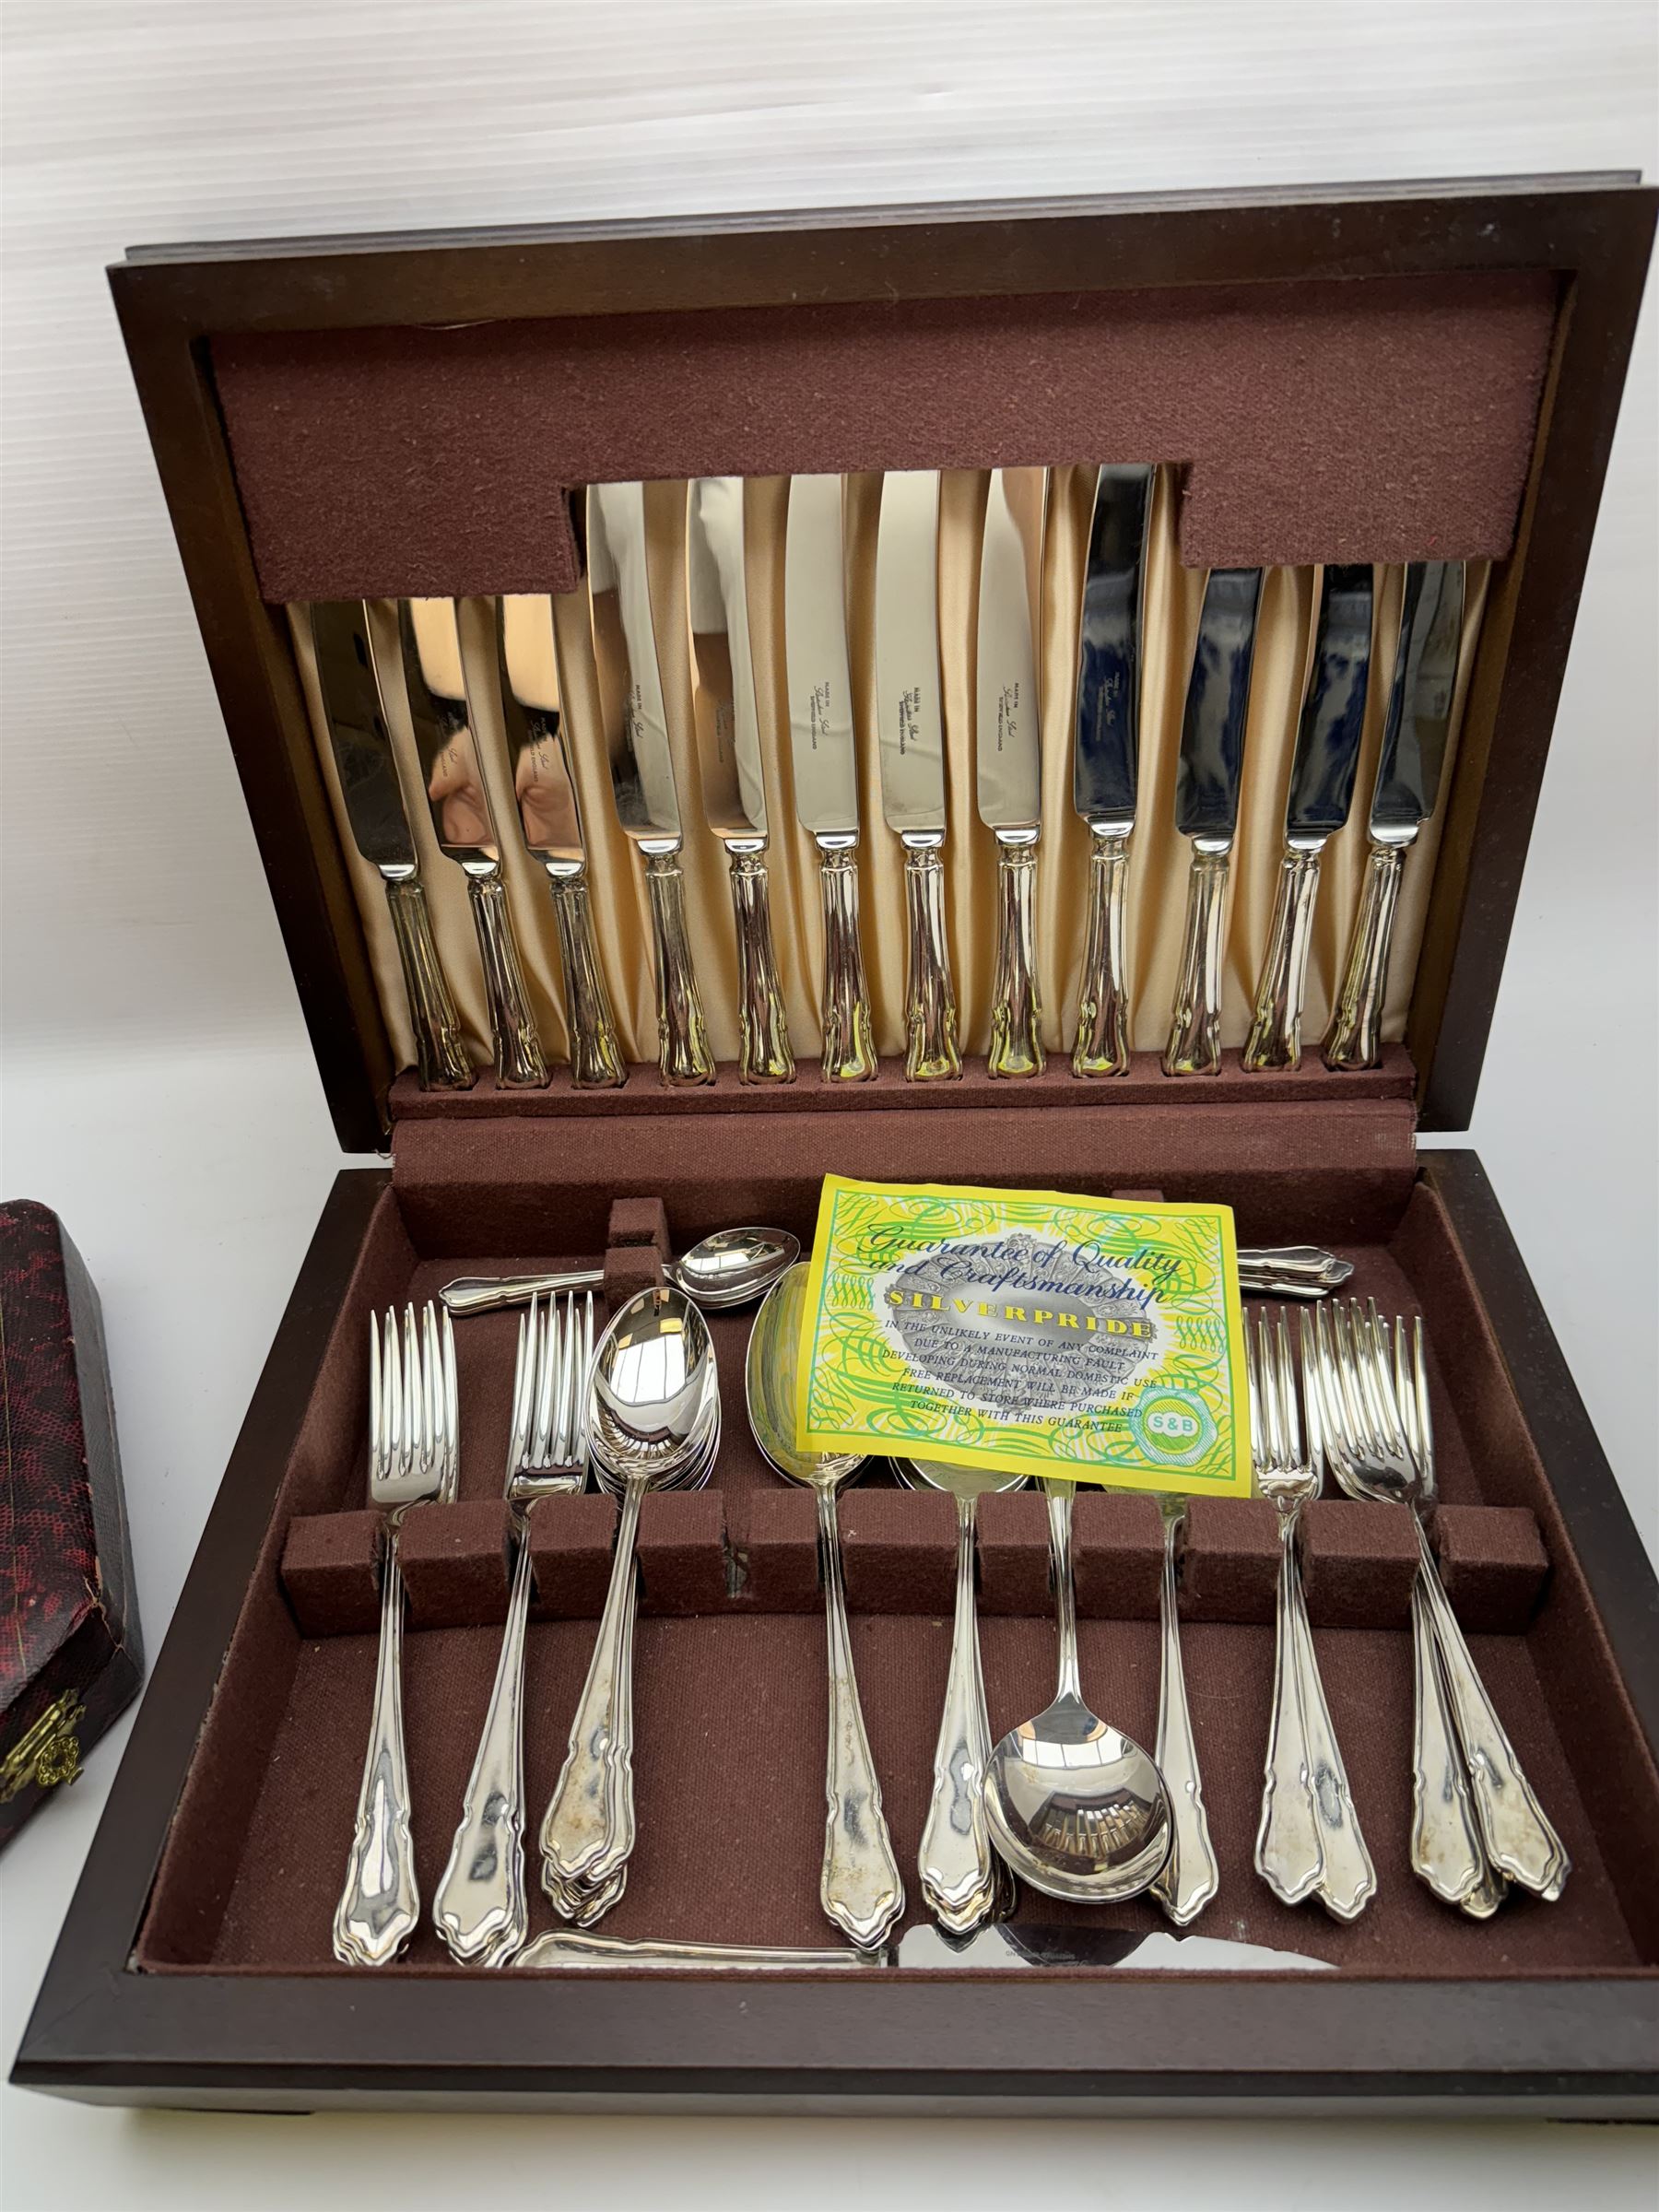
<point>1077,1807</point>
<point>733,1267</point>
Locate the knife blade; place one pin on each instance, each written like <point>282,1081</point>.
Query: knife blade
<point>458,801</point>
<point>824,756</point>
<point>728,753</point>
<point>911,732</point>
<point>1008,752</point>
<point>1322,789</point>
<point>1106,751</point>
<point>1206,807</point>
<point>641,766</point>
<point>360,739</point>
<point>549,818</point>
<point>1415,735</point>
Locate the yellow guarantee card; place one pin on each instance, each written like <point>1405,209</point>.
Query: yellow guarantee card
<point>1083,1338</point>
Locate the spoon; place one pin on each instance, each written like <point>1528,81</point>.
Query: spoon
<point>1077,1807</point>
<point>649,1394</point>
<point>731,1267</point>
<point>961,1875</point>
<point>859,1889</point>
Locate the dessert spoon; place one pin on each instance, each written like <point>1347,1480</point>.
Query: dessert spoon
<point>733,1267</point>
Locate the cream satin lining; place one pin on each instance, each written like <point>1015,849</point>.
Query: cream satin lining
<point>1158,863</point>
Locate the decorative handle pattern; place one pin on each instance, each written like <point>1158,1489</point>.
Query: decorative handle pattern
<point>1519,1839</point>
<point>957,1870</point>
<point>682,1051</point>
<point>482,1910</point>
<point>1289,1856</point>
<point>1102,1041</point>
<point>520,1062</point>
<point>763,1050</point>
<point>1348,1880</point>
<point>860,1887</point>
<point>1275,1038</point>
<point>380,1907</point>
<point>1015,1012</point>
<point>589,1830</point>
<point>1355,1036</point>
<point>1191,1875</point>
<point>596,1056</point>
<point>1446,1850</point>
<point>930,1012</point>
<point>1195,1046</point>
<point>441,1056</point>
<point>849,1027</point>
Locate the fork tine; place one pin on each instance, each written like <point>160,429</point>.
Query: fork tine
<point>1352,1365</point>
<point>392,1401</point>
<point>582,1390</point>
<point>1405,1396</point>
<point>523,1378</point>
<point>560,1450</point>
<point>1425,1452</point>
<point>1288,1389</point>
<point>452,1407</point>
<point>1273,1405</point>
<point>374,1398</point>
<point>431,1392</point>
<point>1309,1380</point>
<point>1253,1390</point>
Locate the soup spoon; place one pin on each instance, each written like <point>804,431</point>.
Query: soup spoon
<point>1076,1807</point>
<point>859,1888</point>
<point>733,1267</point>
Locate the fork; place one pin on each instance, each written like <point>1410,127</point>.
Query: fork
<point>1375,1391</point>
<point>1309,1842</point>
<point>414,1455</point>
<point>482,1909</point>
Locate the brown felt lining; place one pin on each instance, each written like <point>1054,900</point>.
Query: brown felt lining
<point>1386,419</point>
<point>730,1703</point>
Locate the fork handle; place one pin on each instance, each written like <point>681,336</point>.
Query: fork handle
<point>482,1910</point>
<point>956,1863</point>
<point>859,1888</point>
<point>380,1906</point>
<point>1349,1880</point>
<point>589,1830</point>
<point>1190,1876</point>
<point>1519,1839</point>
<point>1288,1855</point>
<point>1446,1851</point>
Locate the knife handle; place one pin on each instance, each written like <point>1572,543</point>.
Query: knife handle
<point>849,1027</point>
<point>440,1052</point>
<point>682,1051</point>
<point>1195,1045</point>
<point>763,1054</point>
<point>930,1012</point>
<point>1275,1038</point>
<point>520,1062</point>
<point>596,1056</point>
<point>1103,1042</point>
<point>1016,1011</point>
<point>1355,1036</point>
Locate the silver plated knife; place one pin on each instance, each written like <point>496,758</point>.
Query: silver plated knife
<point>728,758</point>
<point>550,820</point>
<point>1409,775</point>
<point>824,756</point>
<point>1106,755</point>
<point>464,824</point>
<point>910,725</point>
<point>1206,809</point>
<point>361,740</point>
<point>642,768</point>
<point>1321,790</point>
<point>1008,753</point>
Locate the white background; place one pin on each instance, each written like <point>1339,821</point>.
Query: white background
<point>158,1086</point>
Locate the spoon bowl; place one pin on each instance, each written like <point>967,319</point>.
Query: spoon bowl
<point>733,1267</point>
<point>770,1388</point>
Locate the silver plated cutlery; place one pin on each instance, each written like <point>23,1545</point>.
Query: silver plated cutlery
<point>1008,753</point>
<point>360,738</point>
<point>1106,753</point>
<point>1409,775</point>
<point>731,1267</point>
<point>1191,1875</point>
<point>1206,809</point>
<point>414,1454</point>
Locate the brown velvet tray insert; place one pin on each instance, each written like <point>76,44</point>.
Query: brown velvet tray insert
<point>729,1657</point>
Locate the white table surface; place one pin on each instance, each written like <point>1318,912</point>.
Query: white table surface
<point>158,1088</point>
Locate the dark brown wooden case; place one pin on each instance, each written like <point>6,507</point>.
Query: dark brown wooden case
<point>194,1968</point>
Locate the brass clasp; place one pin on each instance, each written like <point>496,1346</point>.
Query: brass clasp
<point>49,1753</point>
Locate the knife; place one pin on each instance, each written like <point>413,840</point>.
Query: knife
<point>1206,807</point>
<point>926,1950</point>
<point>1106,756</point>
<point>825,760</point>
<point>464,824</point>
<point>361,739</point>
<point>1008,753</point>
<point>728,757</point>
<point>1321,790</point>
<point>1408,774</point>
<point>641,769</point>
<point>911,726</point>
<point>551,822</point>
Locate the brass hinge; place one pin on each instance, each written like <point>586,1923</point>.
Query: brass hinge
<point>49,1754</point>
